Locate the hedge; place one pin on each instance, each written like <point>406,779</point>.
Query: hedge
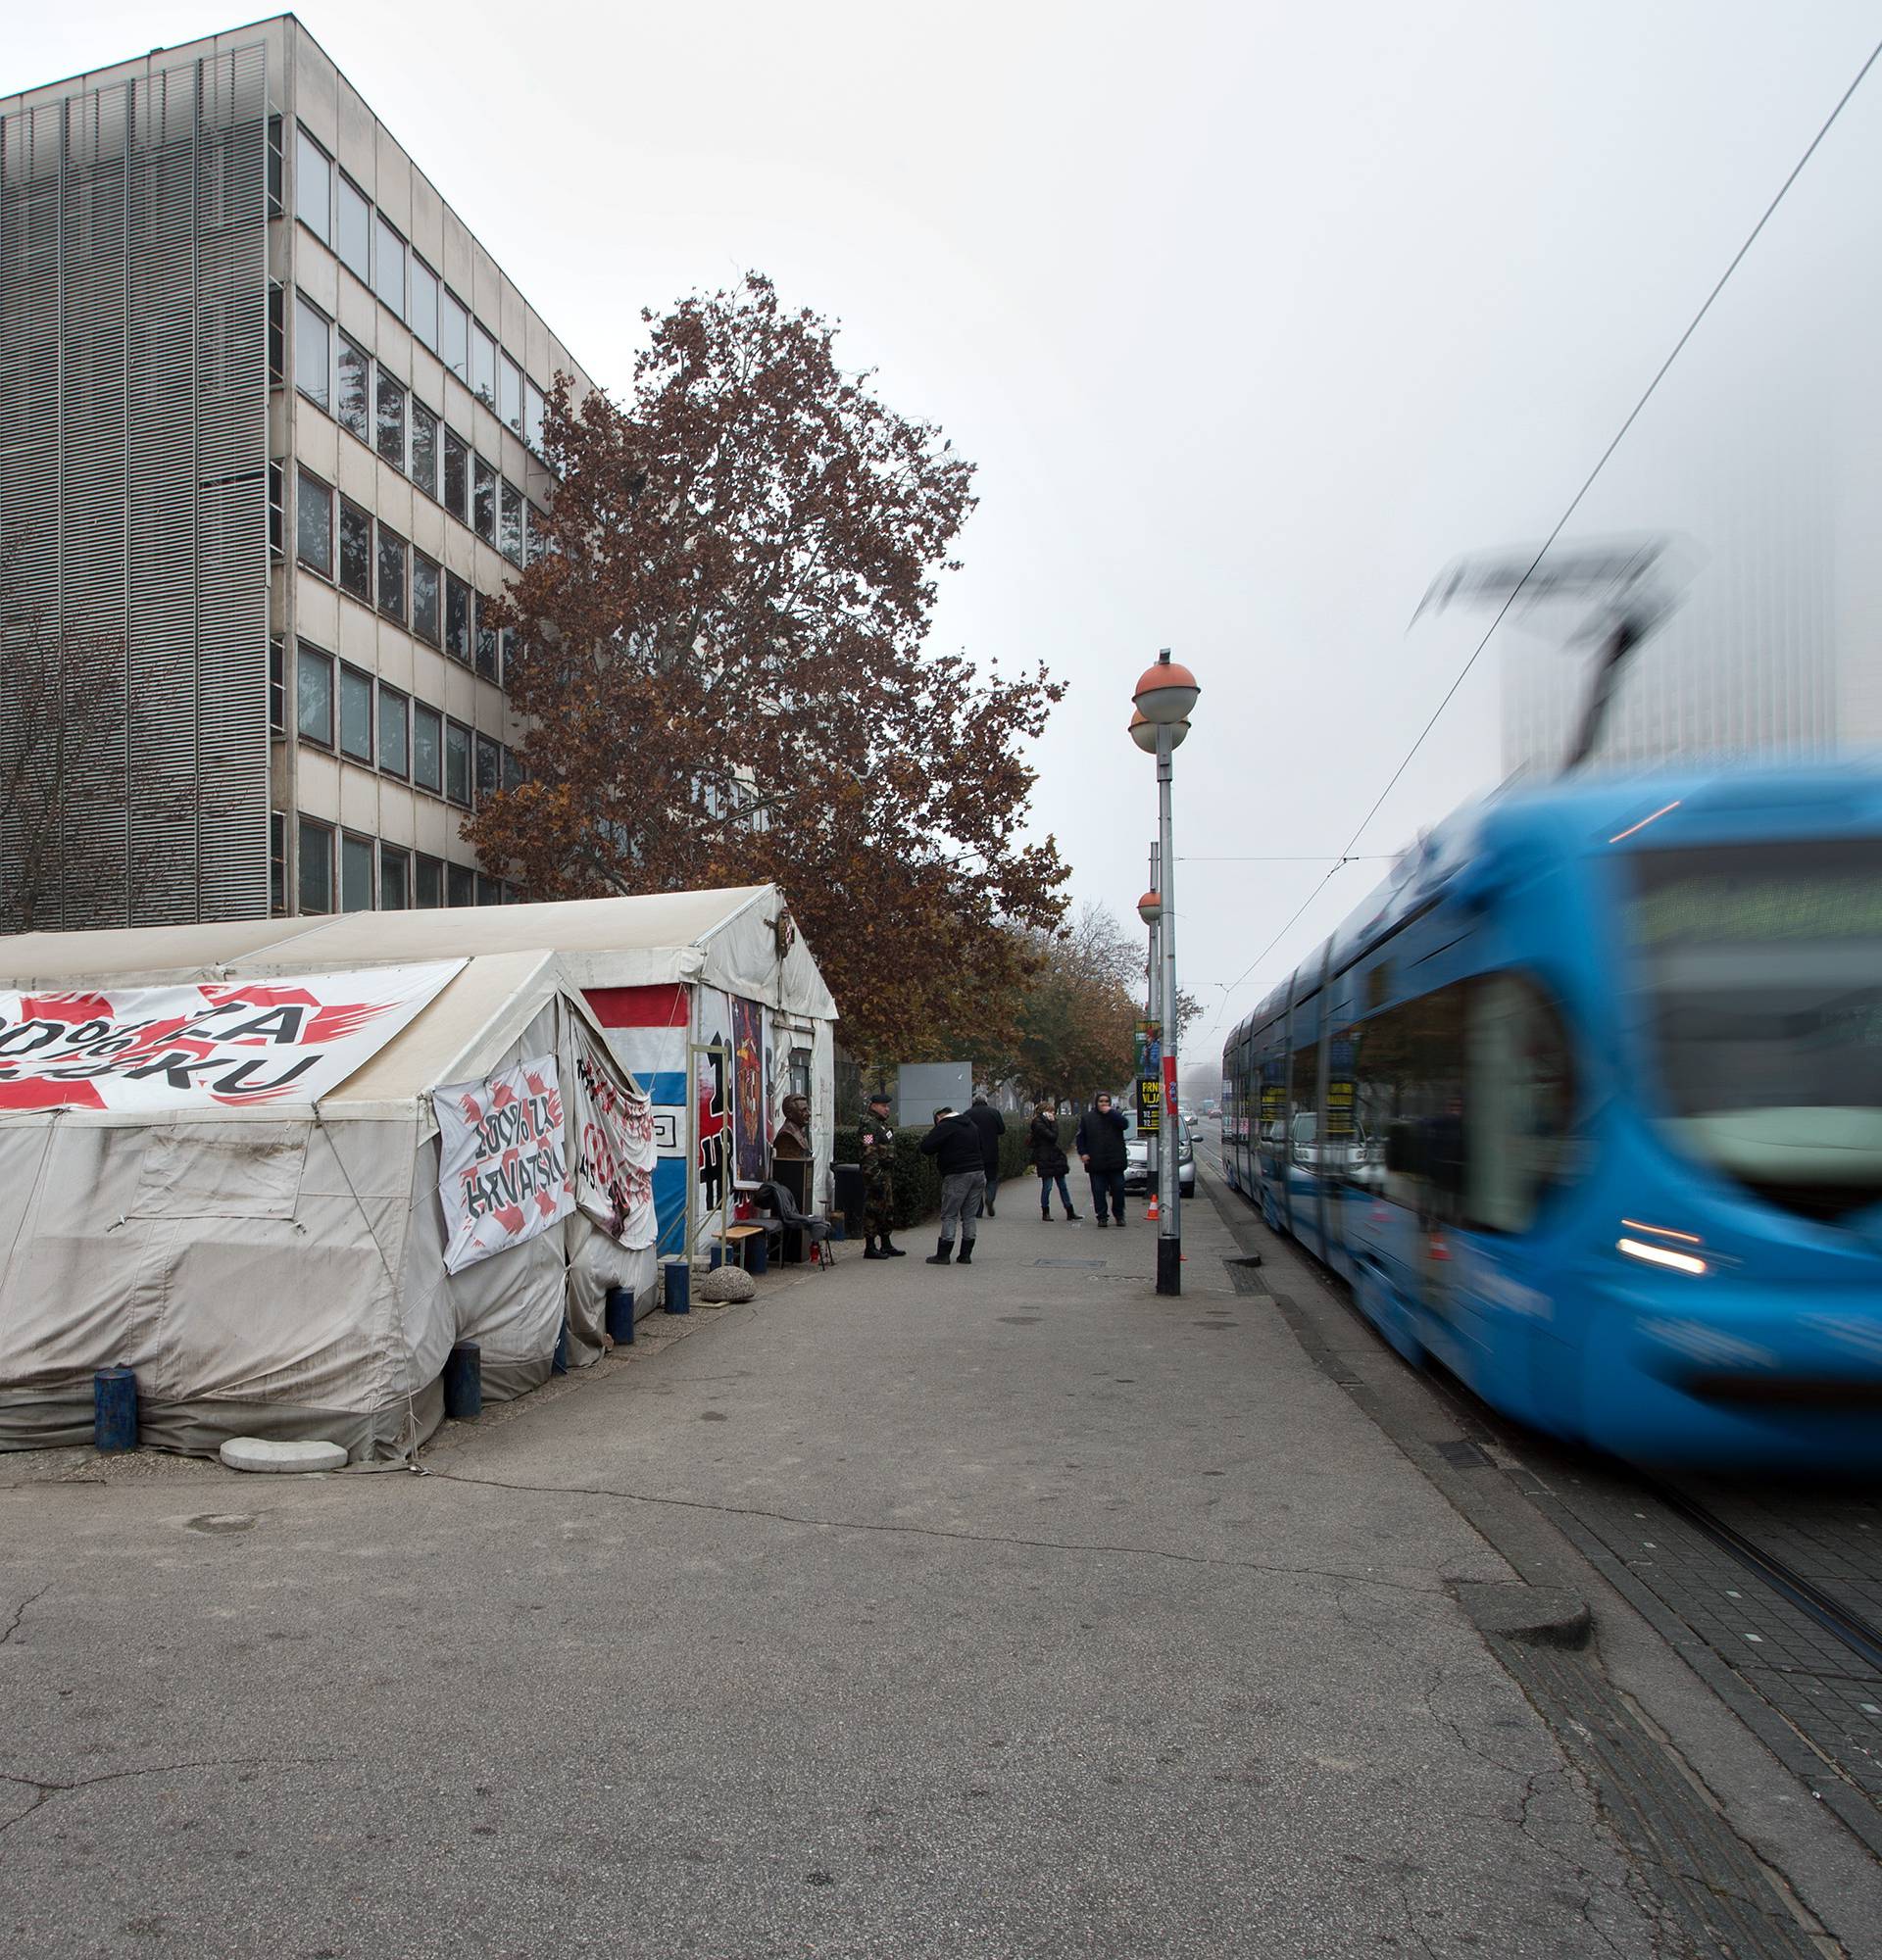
<point>917,1183</point>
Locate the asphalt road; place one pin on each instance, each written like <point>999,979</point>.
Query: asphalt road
<point>1000,1611</point>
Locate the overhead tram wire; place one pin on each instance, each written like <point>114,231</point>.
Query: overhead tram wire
<point>1574,504</point>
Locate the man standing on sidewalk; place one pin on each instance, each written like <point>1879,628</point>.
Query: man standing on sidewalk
<point>1101,1150</point>
<point>990,1126</point>
<point>954,1144</point>
<point>878,1163</point>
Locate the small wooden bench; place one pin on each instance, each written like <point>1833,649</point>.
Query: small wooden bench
<point>736,1236</point>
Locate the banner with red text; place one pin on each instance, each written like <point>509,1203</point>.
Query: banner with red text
<point>502,1168</point>
<point>236,1043</point>
<point>615,1168</point>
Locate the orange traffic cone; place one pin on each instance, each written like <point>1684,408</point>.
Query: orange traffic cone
<point>1149,1217</point>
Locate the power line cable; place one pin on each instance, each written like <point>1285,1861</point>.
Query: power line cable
<point>1574,504</point>
<point>1634,415</point>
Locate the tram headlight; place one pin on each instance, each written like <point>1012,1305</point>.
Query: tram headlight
<point>1661,1255</point>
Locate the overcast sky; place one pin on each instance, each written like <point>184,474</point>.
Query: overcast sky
<point>1251,315</point>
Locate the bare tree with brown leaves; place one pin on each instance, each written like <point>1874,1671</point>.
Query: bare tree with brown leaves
<point>724,658</point>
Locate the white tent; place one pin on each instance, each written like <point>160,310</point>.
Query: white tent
<point>273,1267</point>
<point>661,973</point>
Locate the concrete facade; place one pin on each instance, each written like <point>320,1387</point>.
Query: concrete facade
<point>347,416</point>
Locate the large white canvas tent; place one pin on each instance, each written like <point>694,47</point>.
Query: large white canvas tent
<point>278,1268</point>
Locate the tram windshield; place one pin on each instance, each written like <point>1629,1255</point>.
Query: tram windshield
<point>1761,975</point>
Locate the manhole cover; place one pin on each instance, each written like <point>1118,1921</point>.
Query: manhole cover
<point>1067,1262</point>
<point>1467,1456</point>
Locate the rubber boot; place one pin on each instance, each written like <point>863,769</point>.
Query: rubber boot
<point>943,1253</point>
<point>869,1248</point>
<point>890,1249</point>
<point>967,1253</point>
<point>1073,1219</point>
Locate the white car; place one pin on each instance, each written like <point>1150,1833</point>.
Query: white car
<point>1137,1164</point>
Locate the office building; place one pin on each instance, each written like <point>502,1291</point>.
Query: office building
<point>271,418</point>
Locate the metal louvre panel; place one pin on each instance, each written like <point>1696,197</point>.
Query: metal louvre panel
<point>161,397</point>
<point>94,510</point>
<point>231,423</point>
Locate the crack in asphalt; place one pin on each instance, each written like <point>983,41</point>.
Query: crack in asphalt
<point>44,1790</point>
<point>19,1612</point>
<point>1433,1590</point>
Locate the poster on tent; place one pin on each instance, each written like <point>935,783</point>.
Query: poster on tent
<point>751,1133</point>
<point>234,1044</point>
<point>713,1064</point>
<point>502,1171</point>
<point>616,1150</point>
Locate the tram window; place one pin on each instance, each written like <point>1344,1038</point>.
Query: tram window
<point>1521,1104</point>
<point>1407,1090</point>
<point>1304,1127</point>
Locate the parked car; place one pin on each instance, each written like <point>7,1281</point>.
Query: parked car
<point>1137,1164</point>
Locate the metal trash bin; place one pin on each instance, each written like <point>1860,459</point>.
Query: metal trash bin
<point>849,1198</point>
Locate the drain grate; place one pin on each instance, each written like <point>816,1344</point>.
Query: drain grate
<point>1067,1262</point>
<point>1243,1278</point>
<point>1467,1456</point>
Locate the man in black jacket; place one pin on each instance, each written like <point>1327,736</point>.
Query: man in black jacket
<point>954,1144</point>
<point>1100,1144</point>
<point>991,1126</point>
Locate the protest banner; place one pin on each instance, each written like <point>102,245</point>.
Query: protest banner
<point>503,1172</point>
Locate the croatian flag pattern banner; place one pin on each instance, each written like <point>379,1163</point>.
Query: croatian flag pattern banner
<point>647,1030</point>
<point>503,1165</point>
<point>232,1043</point>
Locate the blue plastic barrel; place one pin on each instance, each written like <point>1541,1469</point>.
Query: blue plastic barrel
<point>620,1315</point>
<point>114,1409</point>
<point>716,1256</point>
<point>676,1286</point>
<point>558,1365</point>
<point>463,1381</point>
<point>758,1253</point>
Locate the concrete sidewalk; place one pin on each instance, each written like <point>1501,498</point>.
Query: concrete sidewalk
<point>997,1610</point>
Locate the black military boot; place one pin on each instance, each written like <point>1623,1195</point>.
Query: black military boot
<point>890,1249</point>
<point>869,1248</point>
<point>967,1253</point>
<point>943,1253</point>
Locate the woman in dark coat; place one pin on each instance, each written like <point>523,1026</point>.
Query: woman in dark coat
<point>1049,1161</point>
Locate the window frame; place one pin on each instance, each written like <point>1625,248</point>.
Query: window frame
<point>342,186</point>
<point>395,856</point>
<point>361,683</point>
<point>390,538</point>
<point>453,728</point>
<point>418,273</point>
<point>309,658</point>
<point>485,479</point>
<point>383,230</point>
<point>367,424</point>
<point>454,586</point>
<point>422,713</point>
<point>311,830</point>
<point>451,308</point>
<point>341,579</point>
<point>384,384</point>
<point>426,869</point>
<point>511,504</point>
<point>323,231</point>
<point>435,637</point>
<point>456,445</point>
<point>304,481</point>
<point>361,848</point>
<point>400,701</point>
<point>305,313</point>
<point>461,884</point>
<point>485,746</point>
<point>420,414</point>
<point>482,342</point>
<point>508,396</point>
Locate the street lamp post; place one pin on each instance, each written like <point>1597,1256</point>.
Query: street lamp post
<point>1165,693</point>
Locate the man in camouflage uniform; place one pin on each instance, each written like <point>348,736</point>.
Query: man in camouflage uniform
<point>877,1157</point>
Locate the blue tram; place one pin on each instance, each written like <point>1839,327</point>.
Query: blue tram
<point>1586,1102</point>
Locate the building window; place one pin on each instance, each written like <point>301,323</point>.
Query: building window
<point>483,363</point>
<point>313,352</point>
<point>356,552</point>
<point>424,448</point>
<point>276,336</point>
<point>313,524</point>
<point>356,229</point>
<point>274,167</point>
<point>483,499</point>
<point>395,879</point>
<point>456,762</point>
<point>509,528</point>
<point>456,617</point>
<point>512,769</point>
<point>533,409</point>
<point>395,714</point>
<point>489,890</point>
<point>535,538</point>
<point>356,715</point>
<point>510,393</point>
<point>463,884</point>
<point>277,862</point>
<point>490,766</point>
<point>457,476</point>
<point>391,575</point>
<point>276,509</point>
<point>316,881</point>
<point>424,303</point>
<point>453,334</point>
<point>356,873</point>
<point>509,656</point>
<point>314,694</point>
<point>486,643</point>
<point>277,687</point>
<point>428,747</point>
<point>312,186</point>
<point>389,272</point>
<point>426,598</point>
<point>352,402</point>
<point>391,421</point>
<point>429,882</point>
